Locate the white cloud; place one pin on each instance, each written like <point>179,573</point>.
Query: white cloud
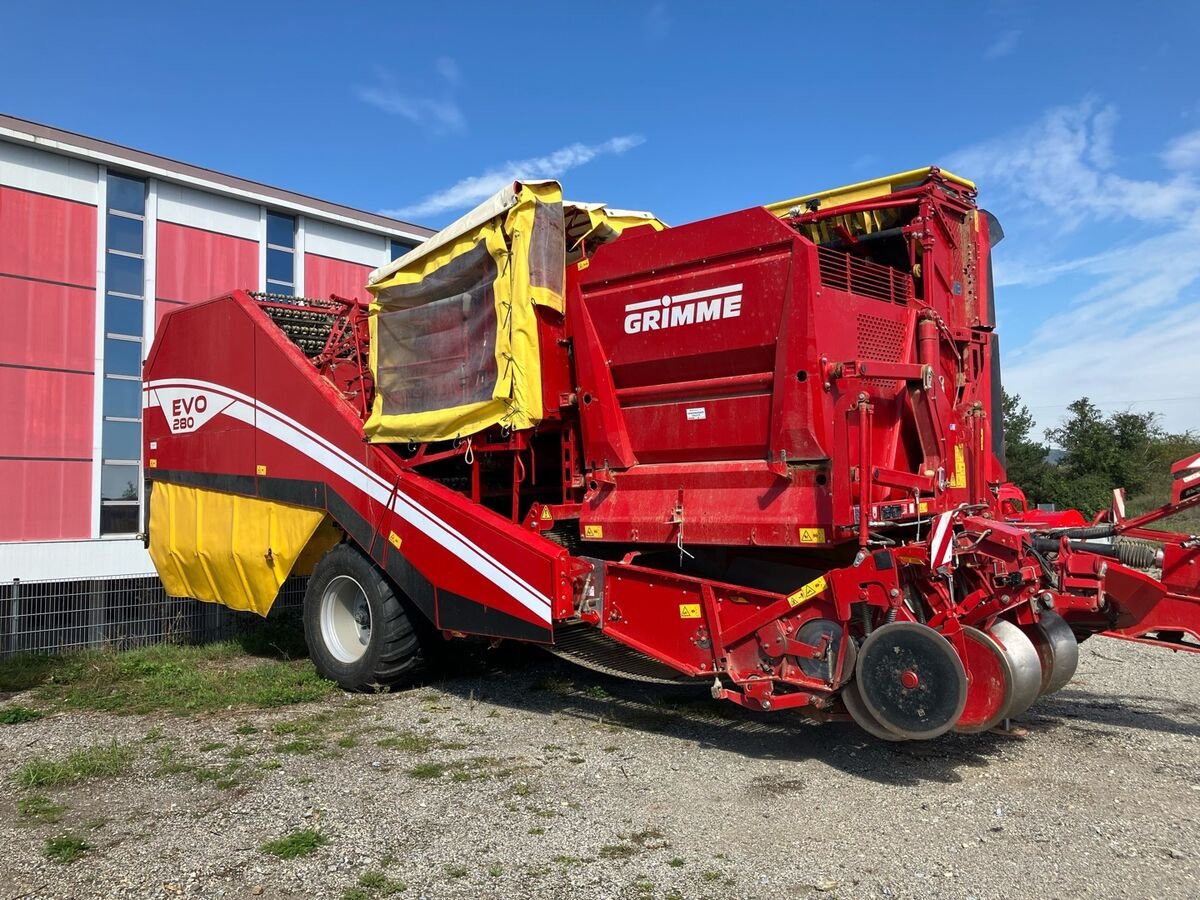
<point>657,21</point>
<point>1061,168</point>
<point>1126,331</point>
<point>470,191</point>
<point>1183,152</point>
<point>1005,44</point>
<point>439,112</point>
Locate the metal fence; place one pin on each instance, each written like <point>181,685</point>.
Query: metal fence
<point>60,616</point>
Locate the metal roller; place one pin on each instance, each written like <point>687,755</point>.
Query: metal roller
<point>1025,663</point>
<point>912,680</point>
<point>1057,650</point>
<point>853,701</point>
<point>990,683</point>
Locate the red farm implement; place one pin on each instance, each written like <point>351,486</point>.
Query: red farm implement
<point>760,451</point>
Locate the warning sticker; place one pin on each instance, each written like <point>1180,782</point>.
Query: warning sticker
<point>261,470</point>
<point>593,531</point>
<point>546,517</point>
<point>959,479</point>
<point>689,610</point>
<point>695,413</point>
<point>812,535</point>
<point>394,539</point>
<point>807,592</point>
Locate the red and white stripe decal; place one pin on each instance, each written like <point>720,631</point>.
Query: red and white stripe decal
<point>334,460</point>
<point>941,543</point>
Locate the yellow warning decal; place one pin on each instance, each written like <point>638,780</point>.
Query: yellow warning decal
<point>261,470</point>
<point>593,531</point>
<point>807,592</point>
<point>923,506</point>
<point>909,560</point>
<point>583,264</point>
<point>812,535</point>
<point>153,463</point>
<point>689,610</point>
<point>394,539</point>
<point>959,480</point>
<point>546,517</point>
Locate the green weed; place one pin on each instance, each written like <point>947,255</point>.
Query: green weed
<point>298,843</point>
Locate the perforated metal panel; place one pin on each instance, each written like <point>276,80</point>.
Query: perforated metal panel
<point>880,339</point>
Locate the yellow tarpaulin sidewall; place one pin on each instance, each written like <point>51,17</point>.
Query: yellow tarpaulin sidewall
<point>227,549</point>
<point>516,399</point>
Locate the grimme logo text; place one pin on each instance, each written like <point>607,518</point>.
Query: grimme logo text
<point>684,309</point>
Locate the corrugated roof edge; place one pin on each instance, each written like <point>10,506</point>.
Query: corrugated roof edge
<point>83,146</point>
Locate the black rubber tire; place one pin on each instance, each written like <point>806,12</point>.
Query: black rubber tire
<point>394,652</point>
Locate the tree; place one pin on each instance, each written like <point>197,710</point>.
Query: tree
<point>1025,458</point>
<point>1103,452</point>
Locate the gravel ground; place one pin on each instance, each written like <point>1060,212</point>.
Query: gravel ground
<point>550,782</point>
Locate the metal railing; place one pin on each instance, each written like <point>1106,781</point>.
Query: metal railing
<point>118,613</point>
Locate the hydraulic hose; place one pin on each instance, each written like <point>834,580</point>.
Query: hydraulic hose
<point>1128,552</point>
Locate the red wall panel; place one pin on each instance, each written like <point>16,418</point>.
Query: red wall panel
<point>48,414</point>
<point>47,237</point>
<point>45,500</point>
<point>324,276</point>
<point>197,265</point>
<point>46,325</point>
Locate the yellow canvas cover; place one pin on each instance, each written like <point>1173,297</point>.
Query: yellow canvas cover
<point>454,345</point>
<point>237,551</point>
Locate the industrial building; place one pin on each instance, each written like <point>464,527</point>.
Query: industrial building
<point>97,243</point>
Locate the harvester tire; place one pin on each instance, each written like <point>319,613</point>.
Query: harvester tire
<point>359,631</point>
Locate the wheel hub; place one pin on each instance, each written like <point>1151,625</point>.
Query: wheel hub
<point>345,619</point>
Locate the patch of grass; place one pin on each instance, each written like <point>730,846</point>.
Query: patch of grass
<point>677,862</point>
<point>495,870</point>
<point>15,715</point>
<point>643,887</point>
<point>164,678</point>
<point>298,843</point>
<point>347,741</point>
<point>455,870</point>
<point>537,829</point>
<point>409,741</point>
<point>211,746</point>
<point>554,684</point>
<point>355,893</point>
<point>100,761</point>
<point>710,875</point>
<point>245,728</point>
<point>270,764</point>
<point>566,860</point>
<point>154,735</point>
<point>524,789</point>
<point>378,884</point>
<point>475,768</point>
<point>240,751</point>
<point>40,808</point>
<point>300,746</point>
<point>617,851</point>
<point>66,848</point>
<point>427,770</point>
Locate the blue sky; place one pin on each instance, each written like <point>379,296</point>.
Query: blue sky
<point>1082,129</point>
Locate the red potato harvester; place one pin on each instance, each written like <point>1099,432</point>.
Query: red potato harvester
<point>762,451</point>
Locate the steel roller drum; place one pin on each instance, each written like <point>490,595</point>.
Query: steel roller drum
<point>911,680</point>
<point>1026,665</point>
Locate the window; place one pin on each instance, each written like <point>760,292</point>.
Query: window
<point>399,248</point>
<point>124,295</point>
<point>281,254</point>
